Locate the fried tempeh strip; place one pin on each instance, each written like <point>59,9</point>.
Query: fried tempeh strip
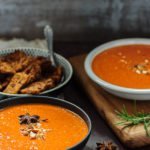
<point>16,83</point>
<point>21,79</point>
<point>39,86</point>
<point>33,71</point>
<point>30,74</point>
<point>57,74</point>
<point>18,60</point>
<point>6,68</point>
<point>45,83</point>
<point>21,64</point>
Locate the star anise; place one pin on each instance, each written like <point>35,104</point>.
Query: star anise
<point>106,146</point>
<point>28,119</point>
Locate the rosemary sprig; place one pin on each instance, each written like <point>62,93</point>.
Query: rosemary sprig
<point>133,119</point>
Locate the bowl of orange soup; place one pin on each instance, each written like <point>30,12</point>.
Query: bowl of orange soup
<point>122,67</point>
<point>42,123</point>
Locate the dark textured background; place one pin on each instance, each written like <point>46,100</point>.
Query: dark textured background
<point>75,20</point>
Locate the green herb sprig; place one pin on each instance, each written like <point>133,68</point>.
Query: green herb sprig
<point>133,119</point>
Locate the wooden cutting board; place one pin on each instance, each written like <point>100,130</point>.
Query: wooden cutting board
<point>106,104</point>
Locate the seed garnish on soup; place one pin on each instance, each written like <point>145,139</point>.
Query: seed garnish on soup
<point>126,66</point>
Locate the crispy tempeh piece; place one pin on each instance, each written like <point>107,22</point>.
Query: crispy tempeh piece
<point>21,79</point>
<point>39,86</point>
<point>21,64</point>
<point>46,82</point>
<point>16,83</point>
<point>57,74</point>
<point>18,60</point>
<point>6,68</point>
<point>33,71</point>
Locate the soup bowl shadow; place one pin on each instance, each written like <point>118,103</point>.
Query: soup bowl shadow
<point>123,92</point>
<point>56,102</point>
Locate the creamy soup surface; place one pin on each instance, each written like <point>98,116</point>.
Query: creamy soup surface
<point>126,66</point>
<point>60,127</point>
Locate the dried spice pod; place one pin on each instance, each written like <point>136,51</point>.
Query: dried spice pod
<point>28,119</point>
<point>33,127</point>
<point>106,145</point>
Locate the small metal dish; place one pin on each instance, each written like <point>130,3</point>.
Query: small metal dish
<point>67,68</point>
<point>52,101</point>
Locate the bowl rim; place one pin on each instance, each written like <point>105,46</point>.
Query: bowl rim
<point>10,99</point>
<point>43,51</point>
<point>115,43</point>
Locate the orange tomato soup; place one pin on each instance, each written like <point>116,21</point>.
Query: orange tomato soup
<point>65,128</point>
<point>126,66</point>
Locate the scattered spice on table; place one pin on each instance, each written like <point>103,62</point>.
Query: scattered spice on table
<point>106,145</point>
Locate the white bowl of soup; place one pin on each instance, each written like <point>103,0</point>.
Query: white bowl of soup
<point>122,67</point>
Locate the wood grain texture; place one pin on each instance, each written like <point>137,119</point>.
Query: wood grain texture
<point>78,20</point>
<point>106,105</point>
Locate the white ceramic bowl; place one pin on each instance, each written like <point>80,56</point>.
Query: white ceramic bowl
<point>127,93</point>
